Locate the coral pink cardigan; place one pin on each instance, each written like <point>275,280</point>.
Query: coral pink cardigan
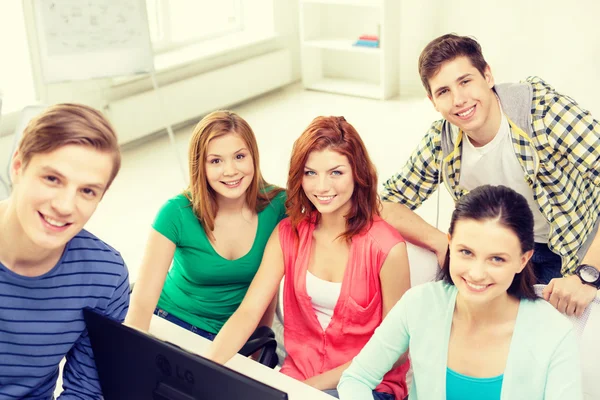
<point>312,351</point>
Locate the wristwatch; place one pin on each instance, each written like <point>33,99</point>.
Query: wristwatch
<point>589,275</point>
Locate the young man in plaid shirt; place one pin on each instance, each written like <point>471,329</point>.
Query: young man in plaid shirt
<point>525,136</point>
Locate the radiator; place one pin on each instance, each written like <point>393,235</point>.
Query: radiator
<point>140,115</point>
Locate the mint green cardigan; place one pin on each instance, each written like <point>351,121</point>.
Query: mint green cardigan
<point>543,360</point>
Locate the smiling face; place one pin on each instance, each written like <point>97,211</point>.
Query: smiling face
<point>484,258</point>
<point>328,182</point>
<point>56,193</point>
<point>229,166</point>
<point>465,98</point>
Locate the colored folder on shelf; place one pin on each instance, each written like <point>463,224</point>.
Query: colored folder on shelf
<point>366,43</point>
<point>369,37</point>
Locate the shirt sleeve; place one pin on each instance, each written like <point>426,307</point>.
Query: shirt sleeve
<point>168,221</point>
<point>572,131</point>
<point>387,344</point>
<point>420,176</point>
<point>80,377</point>
<point>564,373</point>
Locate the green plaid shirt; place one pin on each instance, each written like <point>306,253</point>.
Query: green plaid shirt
<point>560,158</point>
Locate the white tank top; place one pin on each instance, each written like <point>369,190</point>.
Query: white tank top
<point>324,296</point>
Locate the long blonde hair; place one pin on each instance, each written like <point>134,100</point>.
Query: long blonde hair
<point>199,192</point>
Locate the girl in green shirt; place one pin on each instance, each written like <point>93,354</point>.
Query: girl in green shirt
<point>207,243</point>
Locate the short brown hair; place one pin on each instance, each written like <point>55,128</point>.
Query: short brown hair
<point>447,48</point>
<point>335,134</point>
<point>66,124</point>
<point>203,198</point>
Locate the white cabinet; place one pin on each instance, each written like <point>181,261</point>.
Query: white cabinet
<point>330,61</point>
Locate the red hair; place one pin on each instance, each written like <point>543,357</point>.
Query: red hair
<point>336,134</point>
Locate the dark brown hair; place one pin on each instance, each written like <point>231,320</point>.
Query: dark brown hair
<point>447,48</point>
<point>512,211</point>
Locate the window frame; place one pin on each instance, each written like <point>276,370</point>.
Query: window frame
<point>163,24</point>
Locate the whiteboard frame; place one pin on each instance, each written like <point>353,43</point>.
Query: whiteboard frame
<point>93,64</point>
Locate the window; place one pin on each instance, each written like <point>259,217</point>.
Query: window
<point>16,77</point>
<point>176,23</point>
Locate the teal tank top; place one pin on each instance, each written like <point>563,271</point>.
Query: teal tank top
<point>462,387</point>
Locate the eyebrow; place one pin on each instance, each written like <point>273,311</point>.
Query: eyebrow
<point>460,78</point>
<point>218,155</point>
<point>331,169</point>
<point>52,171</point>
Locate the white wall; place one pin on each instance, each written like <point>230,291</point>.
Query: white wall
<point>418,25</point>
<point>100,92</point>
<point>6,144</point>
<point>556,40</point>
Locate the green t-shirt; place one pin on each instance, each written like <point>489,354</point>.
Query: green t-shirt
<point>203,288</point>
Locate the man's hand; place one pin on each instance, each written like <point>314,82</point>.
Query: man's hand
<point>569,295</point>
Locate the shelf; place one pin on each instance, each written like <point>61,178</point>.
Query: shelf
<point>346,86</point>
<point>341,44</point>
<point>329,60</point>
<point>362,3</point>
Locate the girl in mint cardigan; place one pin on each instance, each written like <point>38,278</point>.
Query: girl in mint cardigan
<point>480,332</point>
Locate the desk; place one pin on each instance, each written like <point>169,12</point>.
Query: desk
<point>189,341</point>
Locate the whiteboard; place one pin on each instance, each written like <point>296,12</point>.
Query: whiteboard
<point>86,39</point>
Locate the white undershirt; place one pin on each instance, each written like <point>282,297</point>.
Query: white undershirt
<point>496,164</point>
<point>324,296</point>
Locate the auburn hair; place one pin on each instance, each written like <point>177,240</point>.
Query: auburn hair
<point>336,134</point>
<point>69,124</point>
<point>201,196</point>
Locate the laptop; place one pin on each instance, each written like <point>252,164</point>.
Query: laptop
<point>134,365</point>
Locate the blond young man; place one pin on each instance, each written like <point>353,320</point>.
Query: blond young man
<point>50,267</point>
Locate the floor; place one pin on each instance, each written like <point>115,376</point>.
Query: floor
<point>150,172</point>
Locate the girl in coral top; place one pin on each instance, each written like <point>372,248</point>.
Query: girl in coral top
<point>345,267</point>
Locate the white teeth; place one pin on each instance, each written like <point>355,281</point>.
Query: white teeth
<point>232,183</point>
<point>469,111</point>
<point>325,198</point>
<point>476,287</point>
<point>54,222</point>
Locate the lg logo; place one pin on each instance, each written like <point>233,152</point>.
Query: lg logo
<point>164,366</point>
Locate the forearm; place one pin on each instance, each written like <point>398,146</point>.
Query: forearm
<point>232,336</point>
<point>267,318</point>
<point>592,257</point>
<point>412,227</point>
<point>329,379</point>
<point>140,313</point>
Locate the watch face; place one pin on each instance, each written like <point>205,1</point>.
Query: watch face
<point>589,273</point>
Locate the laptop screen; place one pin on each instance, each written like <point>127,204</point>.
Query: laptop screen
<point>134,365</point>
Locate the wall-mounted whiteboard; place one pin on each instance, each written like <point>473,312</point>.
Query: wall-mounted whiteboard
<point>85,39</point>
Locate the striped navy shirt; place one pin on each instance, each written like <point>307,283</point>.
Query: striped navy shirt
<point>41,321</point>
